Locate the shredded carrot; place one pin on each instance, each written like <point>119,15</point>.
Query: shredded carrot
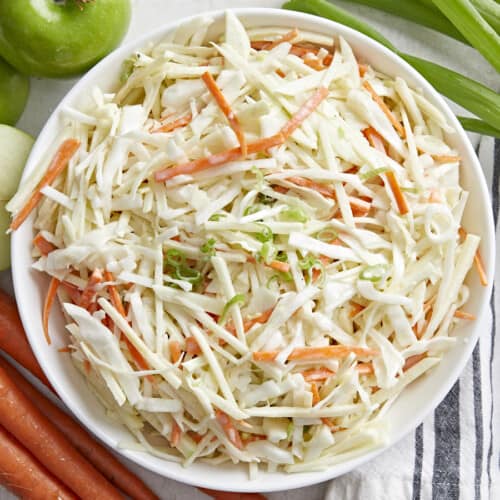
<point>280,189</point>
<point>316,353</point>
<point>175,350</point>
<point>287,37</point>
<point>364,368</point>
<point>464,315</point>
<point>304,111</point>
<point>174,124</point>
<point>44,246</point>
<point>60,161</point>
<point>283,267</point>
<point>397,126</point>
<point>445,158</point>
<point>87,366</point>
<point>64,350</point>
<point>317,374</point>
<point>330,424</point>
<point>47,306</point>
<point>225,107</point>
<point>175,435</point>
<point>478,261</point>
<point>355,309</point>
<point>249,323</point>
<point>413,360</point>
<point>90,291</point>
<point>280,73</point>
<point>316,64</point>
<point>320,188</point>
<point>192,346</point>
<point>362,68</point>
<point>359,207</point>
<point>72,291</point>
<point>195,436</point>
<point>253,437</point>
<point>229,429</point>
<point>315,394</point>
<point>217,159</point>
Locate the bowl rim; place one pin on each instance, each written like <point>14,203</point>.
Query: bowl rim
<point>296,480</point>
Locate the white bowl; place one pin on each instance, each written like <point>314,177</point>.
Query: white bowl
<point>413,405</point>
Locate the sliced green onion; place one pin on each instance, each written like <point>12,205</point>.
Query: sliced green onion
<point>266,252</point>
<point>410,190</point>
<point>370,174</point>
<point>265,199</point>
<point>188,274</point>
<point>216,217</point>
<point>208,247</point>
<point>251,209</point>
<point>282,256</point>
<point>272,279</point>
<point>418,13</point>
<point>327,235</point>
<point>373,273</point>
<point>308,263</point>
<point>478,126</point>
<point>265,235</point>
<point>258,173</point>
<point>237,299</point>
<point>175,258</point>
<point>294,215</point>
<point>474,27</point>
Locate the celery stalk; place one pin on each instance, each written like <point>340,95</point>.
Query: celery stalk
<point>473,26</point>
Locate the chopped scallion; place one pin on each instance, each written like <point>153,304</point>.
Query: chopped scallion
<point>237,299</point>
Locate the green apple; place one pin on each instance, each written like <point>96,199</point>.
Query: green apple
<point>14,91</point>
<point>4,237</point>
<point>59,38</point>
<point>15,146</point>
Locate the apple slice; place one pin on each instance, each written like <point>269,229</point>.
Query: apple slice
<point>4,237</point>
<point>15,146</point>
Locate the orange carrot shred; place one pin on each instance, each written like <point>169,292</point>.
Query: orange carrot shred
<point>364,368</point>
<point>304,111</point>
<point>44,246</point>
<point>464,315</point>
<point>195,436</point>
<point>317,374</point>
<point>60,161</point>
<point>72,291</point>
<point>49,300</point>
<point>316,353</point>
<point>229,429</point>
<point>174,124</point>
<point>445,158</point>
<point>175,351</point>
<point>225,107</point>
<point>175,435</point>
<point>283,267</point>
<point>64,350</point>
<point>413,360</point>
<point>315,394</point>
<point>87,366</point>
<point>362,68</point>
<point>316,64</point>
<point>355,309</point>
<point>164,174</point>
<point>330,424</point>
<point>90,291</point>
<point>192,346</point>
<point>287,37</point>
<point>387,112</point>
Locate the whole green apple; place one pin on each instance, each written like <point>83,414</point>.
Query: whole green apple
<point>14,91</point>
<point>59,38</point>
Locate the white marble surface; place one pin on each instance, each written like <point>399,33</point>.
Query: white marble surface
<point>149,14</point>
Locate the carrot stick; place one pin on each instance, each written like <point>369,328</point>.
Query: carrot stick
<point>315,393</point>
<point>192,347</point>
<point>60,161</point>
<point>364,368</point>
<point>95,453</point>
<point>413,360</point>
<point>304,111</point>
<point>229,429</point>
<point>445,158</point>
<point>47,306</point>
<point>20,417</point>
<point>24,475</point>
<point>283,267</point>
<point>330,424</point>
<point>249,323</point>
<point>44,246</point>
<point>90,291</point>
<point>387,112</point>
<point>217,159</point>
<point>320,188</point>
<point>13,340</point>
<point>72,290</point>
<point>227,495</point>
<point>287,37</point>
<point>175,434</point>
<point>225,107</point>
<point>362,69</point>
<point>464,315</point>
<point>175,351</point>
<point>175,124</point>
<point>314,64</point>
<point>355,309</point>
<point>316,353</point>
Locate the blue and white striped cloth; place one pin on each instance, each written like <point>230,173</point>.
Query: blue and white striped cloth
<point>455,453</point>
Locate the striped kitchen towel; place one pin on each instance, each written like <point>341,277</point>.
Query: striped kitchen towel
<point>455,453</point>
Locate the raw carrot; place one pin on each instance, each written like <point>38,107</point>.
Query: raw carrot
<point>24,475</point>
<point>315,394</point>
<point>175,351</point>
<point>316,353</point>
<point>464,315</point>
<point>304,111</point>
<point>283,267</point>
<point>359,207</point>
<point>89,293</point>
<point>225,107</point>
<point>261,318</point>
<point>478,261</point>
<point>227,495</point>
<point>95,453</point>
<point>44,246</point>
<point>413,360</point>
<point>60,161</point>
<point>364,368</point>
<point>192,346</point>
<point>229,429</point>
<point>317,374</point>
<point>445,158</point>
<point>314,64</point>
<point>47,306</point>
<point>72,290</point>
<point>20,417</point>
<point>13,339</point>
<point>175,434</point>
<point>174,124</point>
<point>383,106</point>
<point>362,69</point>
<point>355,309</point>
<point>217,159</point>
<point>287,37</point>
<point>330,424</point>
<point>320,188</point>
